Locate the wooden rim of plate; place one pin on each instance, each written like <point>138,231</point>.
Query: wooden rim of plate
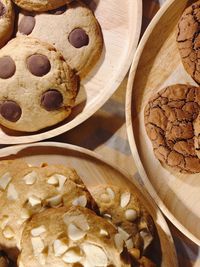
<point>134,9</point>
<point>130,131</point>
<point>169,256</point>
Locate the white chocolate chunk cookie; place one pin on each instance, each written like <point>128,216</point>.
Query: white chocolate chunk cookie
<point>73,30</point>
<point>33,190</point>
<point>77,237</point>
<point>7,17</point>
<point>134,224</point>
<point>38,88</point>
<point>40,5</point>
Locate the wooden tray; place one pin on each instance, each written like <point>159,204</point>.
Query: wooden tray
<point>157,64</point>
<point>121,24</point>
<point>94,170</point>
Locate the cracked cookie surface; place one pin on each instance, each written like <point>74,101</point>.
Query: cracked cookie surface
<point>40,5</point>
<point>188,40</point>
<point>169,120</point>
<point>38,88</point>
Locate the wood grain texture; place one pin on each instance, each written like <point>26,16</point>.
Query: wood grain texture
<point>157,64</point>
<point>121,23</point>
<point>94,170</point>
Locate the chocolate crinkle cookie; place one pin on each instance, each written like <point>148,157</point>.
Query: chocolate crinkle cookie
<point>188,40</point>
<point>171,120</point>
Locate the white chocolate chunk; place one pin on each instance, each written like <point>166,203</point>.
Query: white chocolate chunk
<point>80,201</point>
<point>38,231</point>
<point>34,201</point>
<point>104,232</point>
<point>12,194</point>
<point>75,233</point>
<point>54,201</point>
<point>123,233</point>
<point>53,181</point>
<point>8,232</point>
<point>60,247</point>
<point>4,221</point>
<point>73,255</point>
<point>147,238</point>
<point>125,199</point>
<point>107,216</point>
<point>37,244</point>
<point>30,178</point>
<point>25,214</point>
<point>129,243</point>
<point>119,242</point>
<point>5,180</point>
<point>131,215</point>
<point>110,192</point>
<point>58,180</point>
<point>95,255</point>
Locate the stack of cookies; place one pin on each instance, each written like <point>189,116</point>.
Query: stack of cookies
<point>54,45</point>
<point>49,218</point>
<point>172,116</point>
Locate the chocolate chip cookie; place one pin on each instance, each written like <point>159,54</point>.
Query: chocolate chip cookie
<point>77,237</point>
<point>134,224</point>
<point>7,17</point>
<point>169,120</point>
<point>38,88</point>
<point>73,30</point>
<point>188,38</point>
<point>32,190</point>
<point>40,5</point>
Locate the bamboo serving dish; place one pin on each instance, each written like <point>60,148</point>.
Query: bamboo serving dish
<point>94,170</point>
<point>121,23</point>
<point>157,64</point>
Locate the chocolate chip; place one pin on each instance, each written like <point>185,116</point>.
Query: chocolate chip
<point>78,38</point>
<point>26,25</point>
<point>2,9</point>
<point>38,65</point>
<point>58,11</point>
<point>11,111</point>
<point>52,100</point>
<point>7,67</point>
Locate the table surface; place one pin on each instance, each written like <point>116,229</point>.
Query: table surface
<point>110,140</point>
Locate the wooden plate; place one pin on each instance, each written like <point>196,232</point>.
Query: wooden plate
<point>94,171</point>
<point>157,64</point>
<point>121,24</point>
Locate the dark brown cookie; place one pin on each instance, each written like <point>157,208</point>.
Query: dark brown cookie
<point>188,39</point>
<point>169,120</point>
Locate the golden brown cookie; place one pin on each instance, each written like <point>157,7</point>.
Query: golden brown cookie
<point>169,120</point>
<point>31,191</point>
<point>188,40</point>
<point>77,237</point>
<point>124,211</point>
<point>74,31</point>
<point>7,17</point>
<point>38,88</point>
<point>40,5</point>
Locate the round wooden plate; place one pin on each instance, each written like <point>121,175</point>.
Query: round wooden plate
<point>94,171</point>
<point>121,24</point>
<point>157,64</point>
